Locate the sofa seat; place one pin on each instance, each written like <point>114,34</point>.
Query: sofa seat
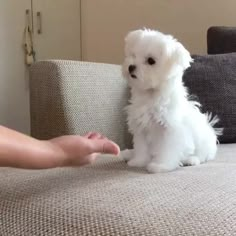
<point>110,198</point>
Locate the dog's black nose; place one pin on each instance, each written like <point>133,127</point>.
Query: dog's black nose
<point>132,68</point>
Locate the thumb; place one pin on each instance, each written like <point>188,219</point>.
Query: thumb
<point>104,146</point>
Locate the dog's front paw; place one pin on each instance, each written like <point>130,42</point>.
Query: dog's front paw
<point>192,161</point>
<point>158,168</point>
<point>126,155</point>
<point>137,163</point>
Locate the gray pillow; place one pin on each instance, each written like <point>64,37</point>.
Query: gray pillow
<point>212,78</point>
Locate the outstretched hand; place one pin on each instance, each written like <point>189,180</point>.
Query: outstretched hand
<point>81,150</point>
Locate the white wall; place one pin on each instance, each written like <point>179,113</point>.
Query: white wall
<point>105,23</point>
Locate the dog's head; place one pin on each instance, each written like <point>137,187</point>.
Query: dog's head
<point>152,57</point>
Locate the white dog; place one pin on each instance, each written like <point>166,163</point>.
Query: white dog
<point>169,130</point>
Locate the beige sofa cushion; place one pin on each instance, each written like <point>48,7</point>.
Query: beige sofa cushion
<point>109,198</point>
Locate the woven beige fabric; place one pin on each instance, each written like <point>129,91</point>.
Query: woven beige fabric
<point>71,97</point>
<point>109,198</point>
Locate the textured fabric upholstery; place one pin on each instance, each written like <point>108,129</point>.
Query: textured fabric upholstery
<point>221,40</point>
<point>212,78</point>
<point>109,198</point>
<point>69,97</point>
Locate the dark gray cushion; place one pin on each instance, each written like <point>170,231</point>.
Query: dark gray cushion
<point>212,78</point>
<point>221,40</point>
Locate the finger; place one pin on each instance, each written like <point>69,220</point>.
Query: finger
<point>89,159</point>
<point>104,146</point>
<point>92,157</point>
<point>93,135</point>
<point>84,160</point>
<point>97,136</point>
<point>88,135</point>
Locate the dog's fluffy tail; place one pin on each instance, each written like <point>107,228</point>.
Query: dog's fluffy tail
<point>213,120</point>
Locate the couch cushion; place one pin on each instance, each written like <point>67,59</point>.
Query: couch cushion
<point>212,78</point>
<point>221,40</point>
<point>109,198</point>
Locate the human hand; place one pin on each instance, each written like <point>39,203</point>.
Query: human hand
<point>74,150</point>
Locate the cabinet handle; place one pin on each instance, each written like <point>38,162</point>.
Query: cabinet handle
<point>39,22</point>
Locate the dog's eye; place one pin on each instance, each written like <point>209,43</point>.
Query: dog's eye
<point>151,61</point>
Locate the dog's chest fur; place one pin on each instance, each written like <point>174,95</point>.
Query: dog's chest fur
<point>147,112</point>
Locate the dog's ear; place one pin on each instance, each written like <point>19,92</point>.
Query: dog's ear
<point>133,36</point>
<point>182,55</point>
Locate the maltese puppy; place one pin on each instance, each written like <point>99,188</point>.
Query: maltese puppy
<point>168,128</point>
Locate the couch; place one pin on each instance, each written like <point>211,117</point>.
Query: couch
<point>108,197</point>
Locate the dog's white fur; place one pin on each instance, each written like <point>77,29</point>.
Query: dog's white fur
<point>169,130</point>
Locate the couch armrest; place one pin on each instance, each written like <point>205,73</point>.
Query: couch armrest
<point>71,97</point>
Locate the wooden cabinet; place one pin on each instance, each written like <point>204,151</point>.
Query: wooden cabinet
<point>56,28</point>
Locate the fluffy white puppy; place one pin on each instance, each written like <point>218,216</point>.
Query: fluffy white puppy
<point>168,129</point>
